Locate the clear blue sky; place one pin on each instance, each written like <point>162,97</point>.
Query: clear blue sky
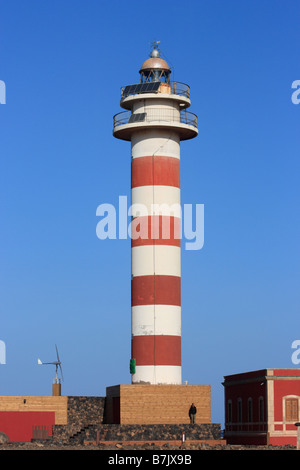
<point>63,63</point>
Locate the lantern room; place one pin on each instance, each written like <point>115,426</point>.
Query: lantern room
<point>155,69</point>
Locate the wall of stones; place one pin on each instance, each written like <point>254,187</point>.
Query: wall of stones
<point>86,410</point>
<point>86,422</point>
<point>147,432</point>
<point>82,412</point>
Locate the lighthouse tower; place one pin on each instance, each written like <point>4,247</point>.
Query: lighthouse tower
<point>155,122</point>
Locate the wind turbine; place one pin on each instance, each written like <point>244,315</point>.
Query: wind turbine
<point>57,366</point>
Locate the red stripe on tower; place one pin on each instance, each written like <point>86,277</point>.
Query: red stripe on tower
<point>156,230</point>
<point>162,350</point>
<point>156,170</point>
<point>161,290</point>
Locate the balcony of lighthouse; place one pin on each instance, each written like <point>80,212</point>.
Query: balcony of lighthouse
<point>184,122</point>
<point>177,91</point>
<point>167,118</point>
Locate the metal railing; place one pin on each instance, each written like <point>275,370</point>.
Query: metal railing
<point>181,89</point>
<point>184,117</point>
<point>177,88</point>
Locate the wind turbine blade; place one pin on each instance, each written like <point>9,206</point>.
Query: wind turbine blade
<point>57,354</point>
<point>61,372</point>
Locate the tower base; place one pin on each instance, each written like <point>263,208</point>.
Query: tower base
<point>56,390</point>
<point>157,404</point>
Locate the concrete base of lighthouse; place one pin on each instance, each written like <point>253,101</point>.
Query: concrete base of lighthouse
<point>157,404</point>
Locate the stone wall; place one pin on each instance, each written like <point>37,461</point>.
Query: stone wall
<point>82,413</point>
<point>155,432</point>
<point>86,410</point>
<point>86,423</point>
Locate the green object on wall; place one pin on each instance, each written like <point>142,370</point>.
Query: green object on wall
<point>132,366</point>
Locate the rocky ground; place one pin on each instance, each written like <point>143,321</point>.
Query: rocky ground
<point>15,446</point>
<point>188,445</point>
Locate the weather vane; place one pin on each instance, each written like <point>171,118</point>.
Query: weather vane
<point>154,45</point>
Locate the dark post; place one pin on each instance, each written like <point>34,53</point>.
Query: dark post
<point>298,435</point>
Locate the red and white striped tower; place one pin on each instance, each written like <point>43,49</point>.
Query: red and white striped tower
<point>155,122</point>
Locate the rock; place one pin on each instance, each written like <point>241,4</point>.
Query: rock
<point>3,438</point>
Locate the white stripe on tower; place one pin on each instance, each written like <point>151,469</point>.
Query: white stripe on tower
<point>155,259</point>
<point>158,319</point>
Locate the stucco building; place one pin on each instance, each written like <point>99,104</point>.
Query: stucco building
<point>262,407</point>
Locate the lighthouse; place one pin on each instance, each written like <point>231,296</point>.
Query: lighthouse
<point>155,121</point>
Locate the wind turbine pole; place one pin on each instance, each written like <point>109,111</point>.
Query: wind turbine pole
<point>56,388</point>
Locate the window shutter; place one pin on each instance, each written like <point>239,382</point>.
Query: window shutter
<point>291,409</point>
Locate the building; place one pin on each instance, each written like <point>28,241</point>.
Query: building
<point>21,415</point>
<point>262,407</point>
<point>155,122</point>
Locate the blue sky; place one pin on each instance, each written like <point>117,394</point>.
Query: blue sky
<point>63,63</point>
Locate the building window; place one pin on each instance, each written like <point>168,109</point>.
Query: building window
<point>291,409</point>
<point>229,411</point>
<point>239,410</point>
<point>250,410</point>
<point>261,409</point>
